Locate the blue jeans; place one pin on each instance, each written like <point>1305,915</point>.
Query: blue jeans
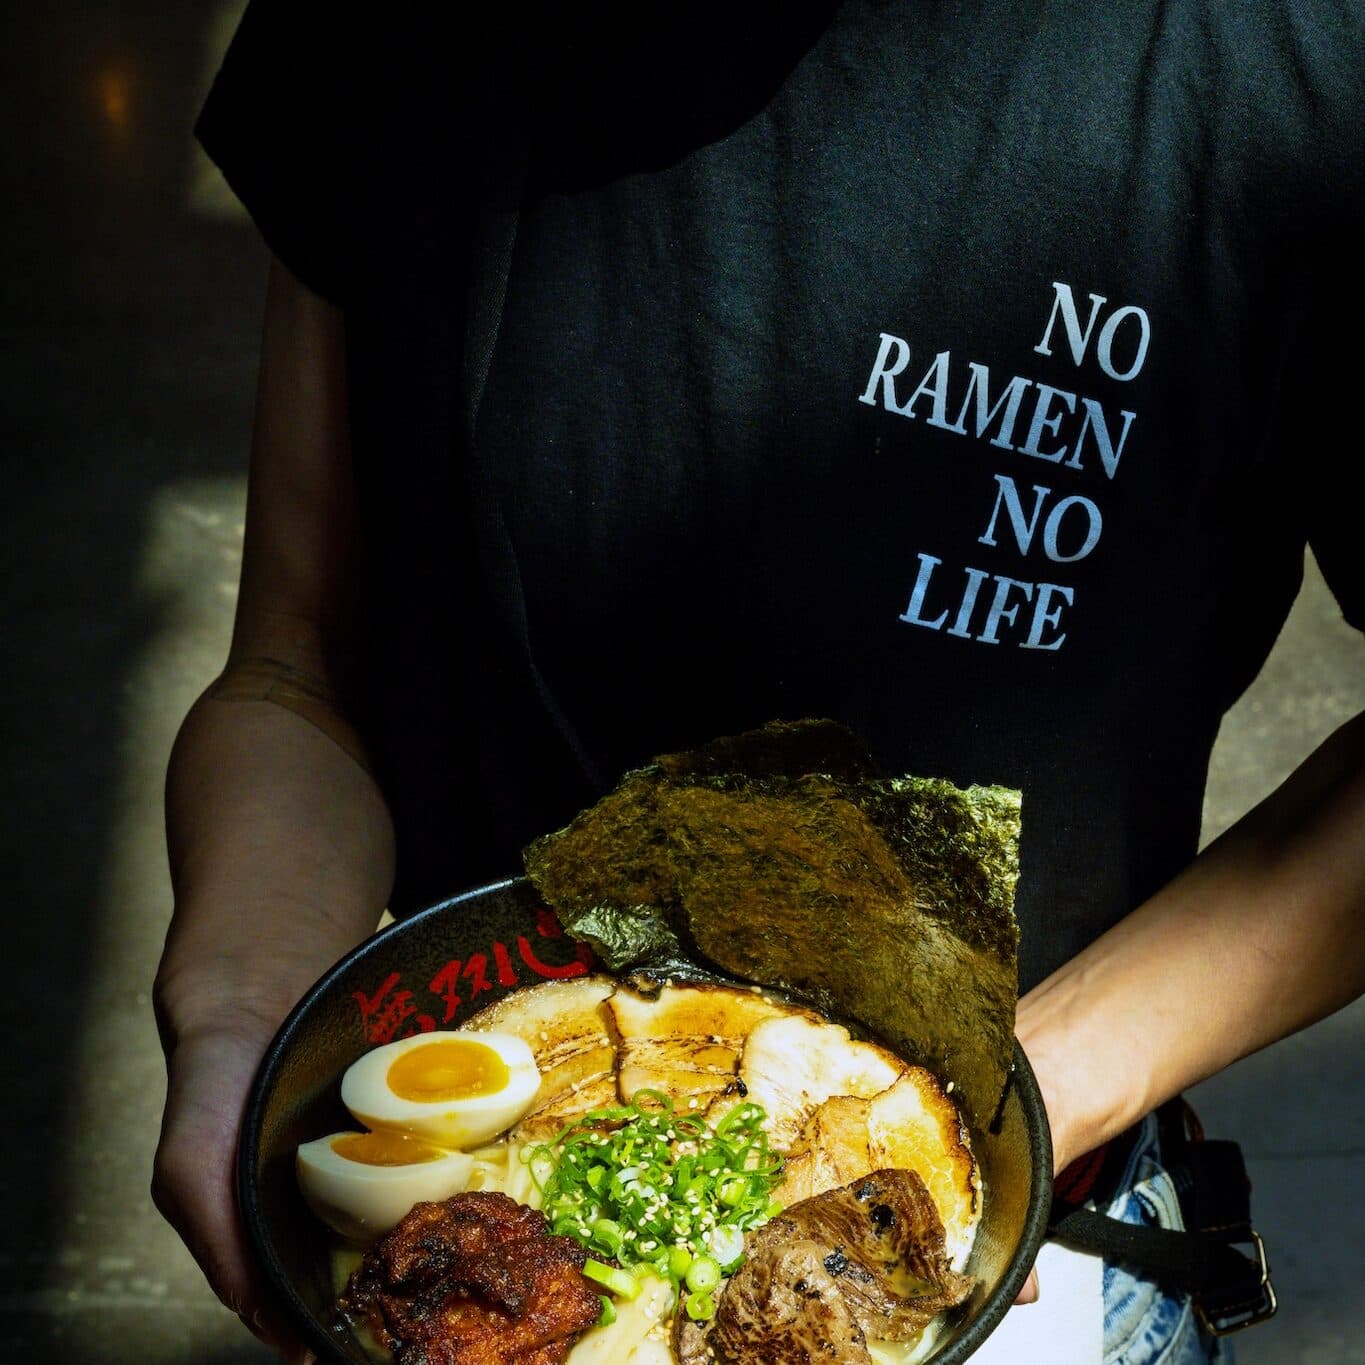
<point>1143,1324</point>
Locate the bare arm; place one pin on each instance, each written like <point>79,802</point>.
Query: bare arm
<point>1262,935</point>
<point>281,846</point>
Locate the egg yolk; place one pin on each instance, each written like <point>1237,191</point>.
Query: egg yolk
<point>384,1148</point>
<point>458,1069</point>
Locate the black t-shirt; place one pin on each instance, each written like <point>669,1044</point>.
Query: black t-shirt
<point>974,375</point>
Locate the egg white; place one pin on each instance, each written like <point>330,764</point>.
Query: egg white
<point>456,1123</point>
<point>362,1202</point>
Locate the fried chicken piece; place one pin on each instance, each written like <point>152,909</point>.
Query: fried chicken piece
<point>474,1280</point>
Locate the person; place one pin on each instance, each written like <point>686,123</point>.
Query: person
<point>965,375</point>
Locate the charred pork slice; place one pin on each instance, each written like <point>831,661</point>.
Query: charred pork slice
<point>564,1023</point>
<point>792,1064</point>
<point>474,1280</point>
<point>686,1040</point>
<point>865,1262</point>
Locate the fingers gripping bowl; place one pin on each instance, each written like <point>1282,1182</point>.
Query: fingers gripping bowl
<point>434,971</point>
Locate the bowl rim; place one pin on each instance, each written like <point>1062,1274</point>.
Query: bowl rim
<point>302,1320</point>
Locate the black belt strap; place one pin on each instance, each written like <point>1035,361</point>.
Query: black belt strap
<point>1231,1288</point>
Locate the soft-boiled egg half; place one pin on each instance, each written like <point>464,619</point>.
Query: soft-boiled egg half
<point>363,1184</point>
<point>453,1089</point>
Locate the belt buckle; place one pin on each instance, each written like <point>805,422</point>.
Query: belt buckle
<point>1236,1317</point>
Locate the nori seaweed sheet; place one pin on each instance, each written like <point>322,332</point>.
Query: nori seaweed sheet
<point>776,857</point>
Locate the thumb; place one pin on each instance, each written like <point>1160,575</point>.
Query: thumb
<point>193,1183</point>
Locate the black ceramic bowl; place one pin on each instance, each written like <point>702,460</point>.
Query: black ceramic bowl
<point>435,970</point>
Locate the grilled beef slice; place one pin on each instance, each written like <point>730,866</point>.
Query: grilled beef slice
<point>784,1308</point>
<point>863,1262</point>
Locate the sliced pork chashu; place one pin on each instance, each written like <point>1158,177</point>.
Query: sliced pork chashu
<point>793,1064</point>
<point>687,1040</point>
<point>830,1150</point>
<point>912,1125</point>
<point>566,1026</point>
<point>915,1126</point>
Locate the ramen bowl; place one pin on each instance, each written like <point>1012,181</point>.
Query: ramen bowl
<point>434,971</point>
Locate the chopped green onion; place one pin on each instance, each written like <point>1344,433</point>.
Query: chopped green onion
<point>700,1307</point>
<point>608,1314</point>
<point>646,1186</point>
<point>727,1246</point>
<point>621,1282</point>
<point>703,1274</point>
<point>733,1191</point>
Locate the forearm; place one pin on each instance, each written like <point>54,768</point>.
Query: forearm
<point>1262,935</point>
<point>281,858</point>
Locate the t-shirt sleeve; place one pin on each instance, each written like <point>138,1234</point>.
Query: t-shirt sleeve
<point>1307,143</point>
<point>283,125</point>
<point>1328,398</point>
<point>1336,527</point>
